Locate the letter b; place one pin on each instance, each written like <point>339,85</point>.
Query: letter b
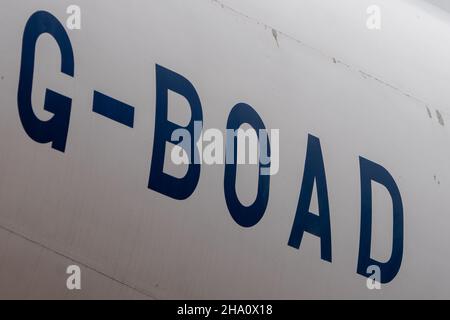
<point>160,181</point>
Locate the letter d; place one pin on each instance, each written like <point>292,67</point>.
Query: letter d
<point>371,171</point>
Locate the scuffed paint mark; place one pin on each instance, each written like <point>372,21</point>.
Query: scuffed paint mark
<point>366,75</point>
<point>440,118</point>
<point>2,78</point>
<point>430,115</point>
<point>275,36</point>
<point>436,180</point>
<point>337,61</point>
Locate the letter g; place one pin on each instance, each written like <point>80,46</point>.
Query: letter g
<point>54,130</point>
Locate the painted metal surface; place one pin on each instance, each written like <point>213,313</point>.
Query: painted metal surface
<point>308,68</point>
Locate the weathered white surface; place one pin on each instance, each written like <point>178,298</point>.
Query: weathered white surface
<point>92,203</point>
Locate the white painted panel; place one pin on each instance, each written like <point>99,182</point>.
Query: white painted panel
<point>321,73</point>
